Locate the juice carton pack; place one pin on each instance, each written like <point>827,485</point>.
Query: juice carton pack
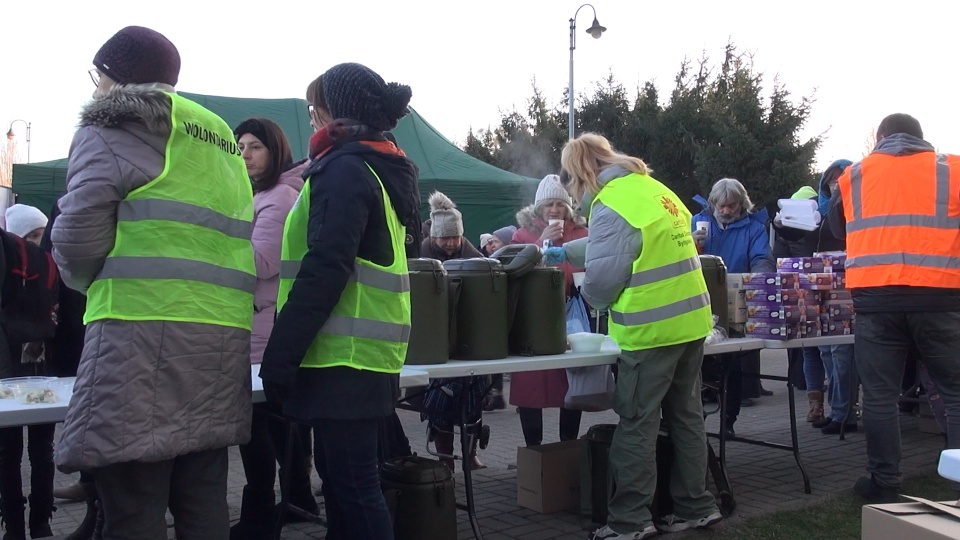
<point>816,281</point>
<point>802,264</point>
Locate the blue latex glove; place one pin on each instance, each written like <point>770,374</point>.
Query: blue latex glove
<point>553,256</point>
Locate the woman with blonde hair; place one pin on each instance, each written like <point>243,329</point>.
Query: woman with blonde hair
<point>642,264</point>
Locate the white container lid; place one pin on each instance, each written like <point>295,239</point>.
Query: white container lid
<point>950,465</point>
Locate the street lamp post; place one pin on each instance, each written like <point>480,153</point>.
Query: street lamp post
<point>11,135</point>
<point>595,30</point>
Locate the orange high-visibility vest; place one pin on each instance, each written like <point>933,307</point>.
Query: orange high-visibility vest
<point>903,220</point>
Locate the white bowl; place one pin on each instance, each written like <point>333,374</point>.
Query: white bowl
<point>586,342</point>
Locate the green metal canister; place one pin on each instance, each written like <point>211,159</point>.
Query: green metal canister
<point>430,313</point>
<point>479,309</point>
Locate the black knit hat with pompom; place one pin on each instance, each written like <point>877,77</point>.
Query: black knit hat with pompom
<point>356,92</point>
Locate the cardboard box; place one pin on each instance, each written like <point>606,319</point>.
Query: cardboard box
<point>736,301</point>
<point>920,520</point>
<point>548,477</point>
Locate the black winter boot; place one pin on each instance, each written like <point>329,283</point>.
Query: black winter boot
<point>89,523</point>
<point>13,522</point>
<point>41,512</point>
<point>256,516</point>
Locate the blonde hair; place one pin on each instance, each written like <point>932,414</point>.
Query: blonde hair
<point>584,157</point>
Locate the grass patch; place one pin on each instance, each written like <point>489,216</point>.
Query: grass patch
<point>837,518</point>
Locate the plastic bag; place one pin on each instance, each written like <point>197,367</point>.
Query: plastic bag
<point>717,334</point>
<point>590,389</point>
<point>577,318</point>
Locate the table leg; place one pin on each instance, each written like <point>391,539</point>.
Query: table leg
<point>794,438</point>
<point>466,443</point>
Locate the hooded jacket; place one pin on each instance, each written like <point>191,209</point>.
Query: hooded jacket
<point>467,250</point>
<point>894,298</point>
<point>145,390</point>
<point>546,388</point>
<point>530,228</point>
<point>806,243</point>
<point>347,221</point>
<point>743,245</point>
<point>270,209</point>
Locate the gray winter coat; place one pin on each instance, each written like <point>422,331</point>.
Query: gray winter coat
<point>612,246</point>
<point>152,390</point>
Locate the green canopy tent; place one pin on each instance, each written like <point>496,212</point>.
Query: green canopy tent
<point>487,196</point>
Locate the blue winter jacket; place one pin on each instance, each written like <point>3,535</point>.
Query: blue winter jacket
<point>744,245</point>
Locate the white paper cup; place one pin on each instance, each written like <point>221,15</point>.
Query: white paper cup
<point>556,222</point>
<point>703,225</point>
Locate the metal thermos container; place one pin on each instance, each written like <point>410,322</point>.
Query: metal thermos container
<point>429,313</point>
<point>480,309</point>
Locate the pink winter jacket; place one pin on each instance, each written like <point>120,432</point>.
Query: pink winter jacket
<point>270,209</point>
<point>546,388</point>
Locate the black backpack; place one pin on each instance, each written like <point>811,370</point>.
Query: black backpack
<point>30,293</point>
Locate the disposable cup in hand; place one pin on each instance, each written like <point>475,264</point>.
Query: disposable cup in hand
<point>556,222</point>
<point>703,226</point>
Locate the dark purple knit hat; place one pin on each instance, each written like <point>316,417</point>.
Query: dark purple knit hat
<point>356,92</point>
<point>138,55</point>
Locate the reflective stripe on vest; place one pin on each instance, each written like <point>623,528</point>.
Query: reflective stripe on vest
<point>666,300</point>
<point>369,327</point>
<point>182,250</point>
<point>146,209</point>
<point>664,272</point>
<point>940,220</point>
<point>929,261</point>
<point>170,268</point>
<point>662,313</point>
<point>366,328</point>
<point>365,275</point>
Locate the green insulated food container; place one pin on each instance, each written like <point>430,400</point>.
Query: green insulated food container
<point>430,313</point>
<point>421,497</point>
<point>540,322</point>
<point>715,273</point>
<point>480,309</point>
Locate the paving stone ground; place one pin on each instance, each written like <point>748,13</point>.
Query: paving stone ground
<point>764,480</point>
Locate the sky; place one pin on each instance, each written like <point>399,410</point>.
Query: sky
<point>468,61</point>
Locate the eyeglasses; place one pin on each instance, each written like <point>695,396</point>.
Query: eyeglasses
<point>95,77</point>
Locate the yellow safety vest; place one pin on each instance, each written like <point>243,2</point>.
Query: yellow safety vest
<point>370,325</point>
<point>666,301</point>
<point>182,250</point>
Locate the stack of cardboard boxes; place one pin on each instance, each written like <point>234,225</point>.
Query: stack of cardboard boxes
<point>804,298</point>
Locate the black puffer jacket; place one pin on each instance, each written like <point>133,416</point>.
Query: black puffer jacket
<point>346,221</point>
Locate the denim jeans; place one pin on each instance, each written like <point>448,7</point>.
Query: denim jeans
<point>346,454</point>
<point>813,368</point>
<point>266,448</point>
<point>882,341</point>
<point>838,362</point>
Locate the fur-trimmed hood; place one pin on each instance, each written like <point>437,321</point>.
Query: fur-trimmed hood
<point>144,104</point>
<point>527,219</point>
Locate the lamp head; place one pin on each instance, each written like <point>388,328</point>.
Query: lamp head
<point>595,29</point>
<point>10,134</point>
